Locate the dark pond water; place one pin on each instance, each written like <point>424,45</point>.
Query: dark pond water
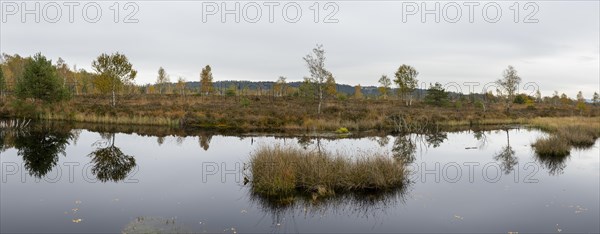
<point>59,179</point>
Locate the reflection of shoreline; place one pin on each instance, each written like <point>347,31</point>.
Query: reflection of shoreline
<point>162,131</point>
<point>41,144</point>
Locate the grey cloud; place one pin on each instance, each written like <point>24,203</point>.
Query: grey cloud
<point>370,40</point>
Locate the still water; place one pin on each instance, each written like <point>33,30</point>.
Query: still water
<point>63,179</point>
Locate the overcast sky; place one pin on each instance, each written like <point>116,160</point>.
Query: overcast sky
<point>560,52</point>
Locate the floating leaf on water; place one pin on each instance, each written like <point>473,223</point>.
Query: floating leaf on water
<point>579,209</point>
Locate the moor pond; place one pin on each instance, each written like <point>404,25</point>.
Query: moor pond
<point>61,178</point>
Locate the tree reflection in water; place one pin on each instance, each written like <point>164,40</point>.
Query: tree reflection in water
<point>40,147</point>
<point>204,140</point>
<point>382,141</point>
<point>506,156</point>
<point>481,137</point>
<point>110,163</point>
<point>435,138</point>
<point>304,141</point>
<point>404,149</point>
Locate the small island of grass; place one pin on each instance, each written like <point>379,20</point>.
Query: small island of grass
<point>285,170</point>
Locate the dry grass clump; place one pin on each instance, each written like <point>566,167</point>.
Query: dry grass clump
<point>552,146</point>
<point>566,133</point>
<point>277,171</point>
<point>578,135</point>
<point>554,124</point>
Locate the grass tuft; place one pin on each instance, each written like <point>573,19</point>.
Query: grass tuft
<point>565,133</point>
<point>578,135</point>
<point>552,146</point>
<point>279,171</point>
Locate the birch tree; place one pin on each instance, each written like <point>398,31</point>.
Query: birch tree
<point>509,84</point>
<point>385,84</point>
<point>181,86</point>
<point>318,74</point>
<point>206,80</point>
<point>406,79</point>
<point>116,70</point>
<point>162,80</point>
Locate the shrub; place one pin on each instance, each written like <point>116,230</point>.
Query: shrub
<point>25,109</point>
<point>230,92</point>
<point>342,130</point>
<point>245,102</point>
<point>342,97</point>
<point>436,95</point>
<point>458,105</point>
<point>520,99</point>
